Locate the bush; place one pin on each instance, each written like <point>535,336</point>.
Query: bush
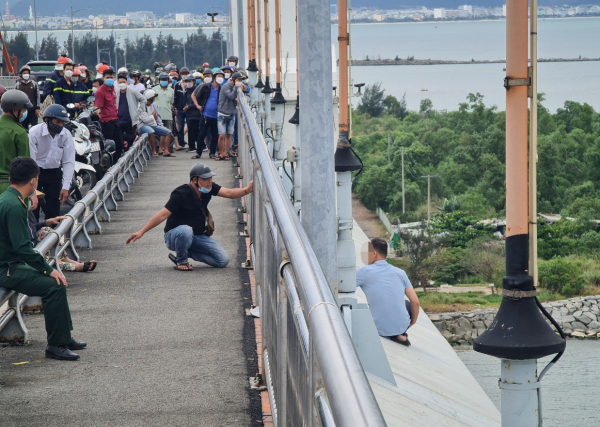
<point>561,275</point>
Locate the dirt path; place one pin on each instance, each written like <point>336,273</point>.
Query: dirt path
<point>368,220</point>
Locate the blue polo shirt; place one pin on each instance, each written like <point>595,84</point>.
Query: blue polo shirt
<point>211,106</point>
<point>384,286</point>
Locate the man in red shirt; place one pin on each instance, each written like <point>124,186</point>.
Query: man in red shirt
<point>106,101</point>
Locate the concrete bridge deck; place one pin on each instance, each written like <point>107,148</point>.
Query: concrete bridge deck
<point>165,348</point>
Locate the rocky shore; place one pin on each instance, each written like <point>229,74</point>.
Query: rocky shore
<point>412,61</point>
<point>578,317</point>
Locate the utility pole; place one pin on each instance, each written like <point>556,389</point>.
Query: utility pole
<point>389,144</point>
<point>519,334</point>
<point>37,47</point>
<point>403,200</point>
<point>73,12</point>
<point>428,196</point>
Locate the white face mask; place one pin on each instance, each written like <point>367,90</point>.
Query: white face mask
<point>190,84</point>
<point>94,89</point>
<point>220,80</point>
<point>122,86</point>
<point>69,73</point>
<point>25,76</point>
<point>207,80</point>
<point>227,75</point>
<point>232,63</point>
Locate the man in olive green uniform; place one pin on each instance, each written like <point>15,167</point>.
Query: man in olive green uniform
<point>14,141</point>
<point>24,270</point>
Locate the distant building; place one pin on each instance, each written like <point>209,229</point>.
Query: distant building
<point>183,18</point>
<point>378,17</point>
<point>439,13</point>
<point>466,7</point>
<point>98,22</point>
<point>504,10</point>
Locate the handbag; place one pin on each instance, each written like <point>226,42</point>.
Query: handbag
<point>210,223</point>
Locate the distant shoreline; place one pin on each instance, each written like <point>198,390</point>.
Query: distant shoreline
<point>461,21</point>
<point>387,62</point>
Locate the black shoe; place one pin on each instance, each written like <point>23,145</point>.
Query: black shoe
<point>74,345</point>
<point>190,150</point>
<point>61,353</point>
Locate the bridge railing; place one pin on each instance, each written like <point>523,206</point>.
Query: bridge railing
<point>82,221</point>
<point>312,370</point>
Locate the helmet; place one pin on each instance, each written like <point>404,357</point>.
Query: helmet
<point>188,78</point>
<point>108,70</point>
<point>101,67</point>
<point>201,170</point>
<point>243,73</point>
<point>170,67</point>
<point>56,111</point>
<point>174,73</point>
<point>218,72</point>
<point>62,60</point>
<point>184,70</point>
<point>122,70</point>
<point>135,73</point>
<point>237,75</point>
<point>214,70</point>
<point>2,90</point>
<point>232,58</point>
<point>147,71</point>
<point>15,100</point>
<point>163,76</point>
<point>207,71</point>
<point>82,68</point>
<point>205,65</point>
<point>197,74</point>
<point>227,67</point>
<point>149,94</point>
<point>76,72</point>
<point>24,68</point>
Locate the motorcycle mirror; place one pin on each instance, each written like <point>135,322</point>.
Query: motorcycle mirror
<point>91,99</point>
<point>71,105</point>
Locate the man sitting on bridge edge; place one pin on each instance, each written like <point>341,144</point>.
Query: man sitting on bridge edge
<point>24,270</point>
<point>186,214</point>
<point>385,287</point>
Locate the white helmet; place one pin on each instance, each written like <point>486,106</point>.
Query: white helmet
<point>122,70</point>
<point>149,94</point>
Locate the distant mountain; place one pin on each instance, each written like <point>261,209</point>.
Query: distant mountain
<point>163,7</point>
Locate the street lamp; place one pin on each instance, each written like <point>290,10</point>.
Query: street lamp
<point>109,57</point>
<point>73,12</point>
<point>229,41</point>
<point>212,15</point>
<point>37,49</point>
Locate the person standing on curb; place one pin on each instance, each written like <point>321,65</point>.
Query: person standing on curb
<point>106,101</point>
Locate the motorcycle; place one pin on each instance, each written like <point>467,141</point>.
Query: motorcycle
<point>86,127</point>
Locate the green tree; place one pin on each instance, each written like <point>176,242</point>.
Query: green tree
<point>372,100</point>
<point>484,257</point>
<point>420,246</point>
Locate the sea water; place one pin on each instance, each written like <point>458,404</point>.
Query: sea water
<point>570,390</point>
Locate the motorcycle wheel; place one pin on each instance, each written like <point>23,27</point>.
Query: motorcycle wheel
<point>84,181</point>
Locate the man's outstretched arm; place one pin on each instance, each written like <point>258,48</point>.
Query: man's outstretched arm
<point>236,193</point>
<point>415,304</point>
<point>159,217</point>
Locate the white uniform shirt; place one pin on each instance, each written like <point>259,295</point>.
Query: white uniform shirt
<point>139,87</point>
<point>52,153</point>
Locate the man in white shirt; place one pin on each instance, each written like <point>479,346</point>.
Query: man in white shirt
<point>135,81</point>
<point>53,149</point>
<point>385,287</point>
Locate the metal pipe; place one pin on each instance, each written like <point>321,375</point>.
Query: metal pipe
<point>267,51</point>
<point>533,270</point>
<point>348,390</point>
<point>519,393</point>
<point>240,30</point>
<point>343,38</point>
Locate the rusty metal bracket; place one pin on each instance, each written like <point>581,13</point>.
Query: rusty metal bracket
<point>510,82</point>
<point>516,294</point>
<point>247,265</point>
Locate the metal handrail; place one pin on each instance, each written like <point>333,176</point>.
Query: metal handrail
<point>83,220</point>
<point>313,372</point>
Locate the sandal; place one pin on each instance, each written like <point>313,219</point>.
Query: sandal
<point>168,155</point>
<point>154,155</point>
<point>184,266</point>
<point>89,266</point>
<point>196,157</point>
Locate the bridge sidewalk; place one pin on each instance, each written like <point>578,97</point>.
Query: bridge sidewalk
<point>165,348</point>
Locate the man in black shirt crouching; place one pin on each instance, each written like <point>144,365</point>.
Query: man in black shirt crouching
<point>185,212</point>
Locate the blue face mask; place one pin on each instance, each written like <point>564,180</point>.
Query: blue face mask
<point>109,82</point>
<point>198,81</point>
<point>174,82</point>
<point>23,117</point>
<point>164,83</point>
<point>204,190</point>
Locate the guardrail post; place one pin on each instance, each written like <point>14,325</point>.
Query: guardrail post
<point>14,330</point>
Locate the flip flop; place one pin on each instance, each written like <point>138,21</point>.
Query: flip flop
<point>89,266</point>
<point>172,258</point>
<point>154,155</point>
<point>196,157</point>
<point>168,155</point>
<point>184,264</point>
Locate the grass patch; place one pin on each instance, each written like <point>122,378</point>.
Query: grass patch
<point>441,302</point>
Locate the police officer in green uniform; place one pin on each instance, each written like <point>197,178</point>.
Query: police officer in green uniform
<point>24,270</point>
<point>14,141</point>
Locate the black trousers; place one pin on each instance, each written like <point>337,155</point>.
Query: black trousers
<point>112,130</point>
<point>128,133</point>
<point>50,183</point>
<point>208,125</point>
<point>193,131</point>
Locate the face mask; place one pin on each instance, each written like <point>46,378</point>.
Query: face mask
<point>109,82</point>
<point>74,79</point>
<point>220,80</point>
<point>54,128</point>
<point>34,190</point>
<point>232,63</point>
<point>240,84</point>
<point>204,190</point>
<point>207,79</point>
<point>164,83</point>
<point>69,73</point>
<point>198,81</point>
<point>23,117</point>
<point>25,76</point>
<point>227,75</point>
<point>94,89</point>
<point>122,86</point>
<point>173,82</point>
<point>190,84</point>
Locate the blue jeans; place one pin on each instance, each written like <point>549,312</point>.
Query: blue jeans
<point>226,124</point>
<point>200,248</point>
<point>159,130</point>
